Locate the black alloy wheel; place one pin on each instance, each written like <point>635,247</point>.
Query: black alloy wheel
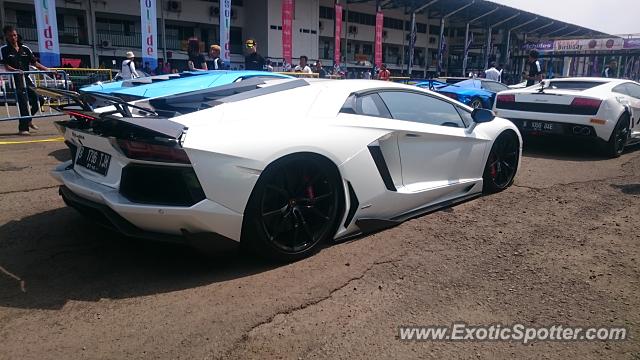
<point>619,138</point>
<point>294,208</point>
<point>502,163</point>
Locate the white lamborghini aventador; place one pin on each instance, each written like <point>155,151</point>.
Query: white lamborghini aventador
<point>281,166</point>
<point>591,108</point>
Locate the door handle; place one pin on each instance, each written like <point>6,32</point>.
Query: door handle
<point>412,135</point>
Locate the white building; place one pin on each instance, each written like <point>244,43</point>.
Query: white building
<point>99,32</point>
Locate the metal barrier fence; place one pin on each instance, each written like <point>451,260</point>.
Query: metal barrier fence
<point>80,77</point>
<point>11,95</point>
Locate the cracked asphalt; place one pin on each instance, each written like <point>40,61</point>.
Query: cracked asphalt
<point>559,247</point>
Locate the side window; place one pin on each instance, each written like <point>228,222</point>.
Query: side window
<point>371,105</point>
<point>620,89</point>
<point>465,115</point>
<point>633,90</point>
<point>494,86</point>
<point>410,106</point>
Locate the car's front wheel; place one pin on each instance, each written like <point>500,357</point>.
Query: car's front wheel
<point>619,138</point>
<point>294,208</point>
<point>476,103</point>
<point>502,163</point>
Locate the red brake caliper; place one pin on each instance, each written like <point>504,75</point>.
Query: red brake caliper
<point>493,169</point>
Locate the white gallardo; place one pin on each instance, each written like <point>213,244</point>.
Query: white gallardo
<point>283,166</point>
<point>607,110</point>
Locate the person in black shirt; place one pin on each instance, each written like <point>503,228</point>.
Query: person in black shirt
<point>253,60</point>
<point>17,57</point>
<point>196,59</point>
<point>534,74</point>
<point>216,62</point>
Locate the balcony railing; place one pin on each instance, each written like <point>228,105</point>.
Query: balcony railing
<point>66,34</point>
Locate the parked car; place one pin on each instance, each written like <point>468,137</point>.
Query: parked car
<point>171,84</point>
<point>477,93</point>
<point>281,165</point>
<point>607,110</point>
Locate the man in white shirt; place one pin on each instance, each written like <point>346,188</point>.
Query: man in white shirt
<point>492,73</point>
<point>303,67</point>
<point>128,70</point>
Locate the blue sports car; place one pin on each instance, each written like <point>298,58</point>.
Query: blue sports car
<point>170,84</point>
<point>477,93</point>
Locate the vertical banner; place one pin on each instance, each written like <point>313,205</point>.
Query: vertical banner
<point>287,25</point>
<point>225,26</point>
<point>337,35</point>
<point>47,25</point>
<point>412,43</point>
<point>149,26</point>
<point>378,38</point>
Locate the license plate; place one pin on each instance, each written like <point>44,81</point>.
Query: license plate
<point>541,126</point>
<point>94,160</point>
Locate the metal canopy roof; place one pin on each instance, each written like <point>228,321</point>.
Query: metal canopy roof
<point>505,16</point>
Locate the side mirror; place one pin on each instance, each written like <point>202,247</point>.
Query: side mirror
<point>482,115</point>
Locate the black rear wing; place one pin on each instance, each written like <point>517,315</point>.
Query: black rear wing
<point>71,100</point>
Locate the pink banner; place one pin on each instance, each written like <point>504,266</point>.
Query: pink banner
<point>287,25</point>
<point>338,32</point>
<point>378,44</point>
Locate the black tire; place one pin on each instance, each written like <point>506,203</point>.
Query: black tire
<point>502,163</point>
<point>618,139</point>
<point>294,208</point>
<point>476,103</point>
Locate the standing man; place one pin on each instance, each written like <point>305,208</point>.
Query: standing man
<point>534,75</point>
<point>611,70</point>
<point>253,60</point>
<point>216,62</point>
<point>302,66</point>
<point>492,73</point>
<point>17,57</point>
<point>128,68</point>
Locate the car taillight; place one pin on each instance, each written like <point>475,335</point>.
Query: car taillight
<point>506,98</point>
<point>586,103</point>
<point>453,96</point>
<point>80,116</point>
<point>153,152</point>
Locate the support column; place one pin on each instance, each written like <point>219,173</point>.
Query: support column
<point>95,62</point>
<point>488,49</point>
<point>466,53</point>
<point>164,32</point>
<point>440,59</point>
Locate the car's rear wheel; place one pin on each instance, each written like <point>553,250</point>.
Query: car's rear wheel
<point>294,208</point>
<point>619,138</point>
<point>502,163</point>
<point>476,103</point>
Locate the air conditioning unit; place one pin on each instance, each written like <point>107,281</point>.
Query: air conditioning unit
<point>214,11</point>
<point>320,25</point>
<point>353,29</point>
<point>384,34</point>
<point>106,44</point>
<point>173,5</point>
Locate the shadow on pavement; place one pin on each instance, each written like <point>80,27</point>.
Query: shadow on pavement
<point>566,149</point>
<point>61,154</point>
<point>50,258</point>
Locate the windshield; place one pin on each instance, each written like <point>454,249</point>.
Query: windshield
<point>574,85</point>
